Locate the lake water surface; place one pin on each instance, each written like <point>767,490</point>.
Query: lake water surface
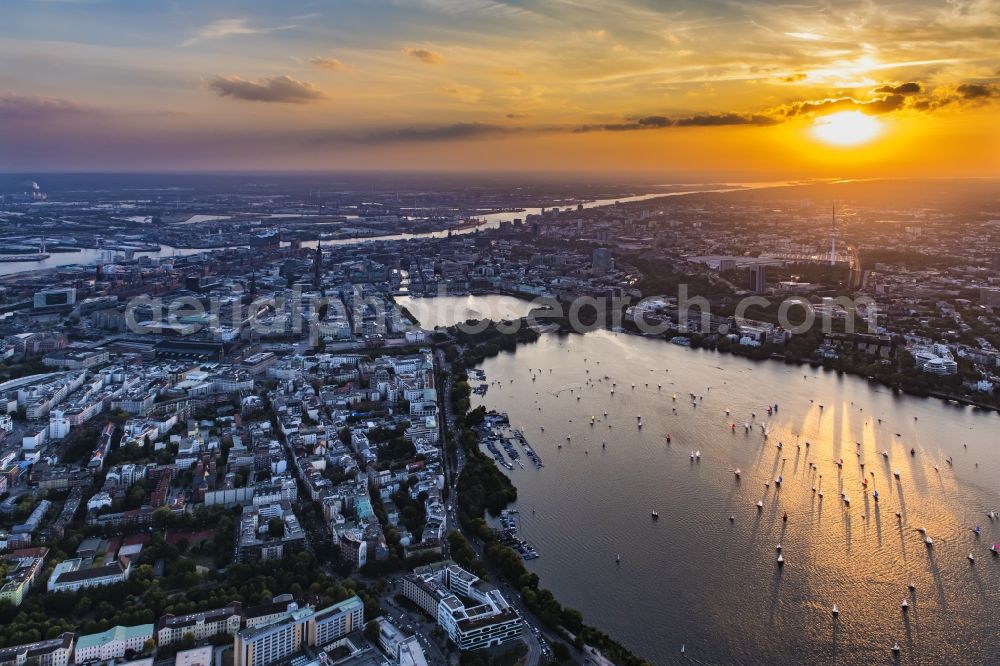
<point>694,577</point>
<point>448,310</point>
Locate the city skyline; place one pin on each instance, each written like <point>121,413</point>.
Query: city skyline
<point>699,90</point>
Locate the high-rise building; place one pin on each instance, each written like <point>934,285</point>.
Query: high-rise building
<point>996,262</point>
<point>758,278</point>
<point>317,266</point>
<point>601,259</point>
<point>833,237</point>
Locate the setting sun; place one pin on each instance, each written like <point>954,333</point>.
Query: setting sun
<point>846,128</point>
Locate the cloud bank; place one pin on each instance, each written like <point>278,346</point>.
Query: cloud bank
<point>279,89</point>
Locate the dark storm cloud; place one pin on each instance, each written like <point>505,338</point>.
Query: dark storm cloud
<point>280,89</point>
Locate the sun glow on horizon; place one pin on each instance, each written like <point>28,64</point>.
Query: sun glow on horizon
<point>846,128</point>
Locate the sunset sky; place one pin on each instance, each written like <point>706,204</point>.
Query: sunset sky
<point>705,88</point>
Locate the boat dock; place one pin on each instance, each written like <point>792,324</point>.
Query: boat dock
<point>528,451</point>
<point>509,535</point>
<point>495,452</point>
<point>499,434</point>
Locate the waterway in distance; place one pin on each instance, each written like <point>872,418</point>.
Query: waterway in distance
<point>90,256</point>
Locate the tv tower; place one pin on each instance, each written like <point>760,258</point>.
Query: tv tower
<point>833,237</point>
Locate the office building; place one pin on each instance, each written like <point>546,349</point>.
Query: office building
<point>403,650</point>
<point>53,297</point>
<point>471,611</point>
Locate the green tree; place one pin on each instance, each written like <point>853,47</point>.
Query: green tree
<point>372,630</point>
<point>161,517</point>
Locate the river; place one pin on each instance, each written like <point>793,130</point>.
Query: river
<point>86,257</point>
<point>89,257</point>
<point>493,220</point>
<point>692,577</point>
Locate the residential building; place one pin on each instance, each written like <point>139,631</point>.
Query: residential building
<point>54,652</point>
<point>69,575</point>
<point>172,628</point>
<point>294,631</point>
<point>34,520</point>
<point>256,540</point>
<point>113,643</point>
<point>27,566</point>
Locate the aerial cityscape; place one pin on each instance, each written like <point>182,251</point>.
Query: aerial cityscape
<point>503,332</point>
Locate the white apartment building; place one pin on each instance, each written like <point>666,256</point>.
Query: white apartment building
<point>55,652</point>
<point>295,630</point>
<point>172,628</point>
<point>113,643</point>
<point>69,576</point>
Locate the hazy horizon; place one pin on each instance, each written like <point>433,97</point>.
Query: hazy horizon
<point>706,90</point>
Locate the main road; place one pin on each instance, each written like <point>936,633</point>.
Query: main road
<point>533,628</point>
